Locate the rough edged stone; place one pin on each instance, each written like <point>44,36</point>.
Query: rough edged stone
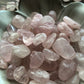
<point>36,59</point>
<point>66,70</point>
<point>63,48</point>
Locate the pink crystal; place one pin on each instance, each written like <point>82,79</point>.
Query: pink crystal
<point>64,28</point>
<point>50,55</point>
<point>67,69</point>
<point>20,75</point>
<point>49,41</point>
<point>63,48</point>
<point>18,21</point>
<point>73,24</point>
<point>39,75</point>
<point>39,38</point>
<point>36,59</point>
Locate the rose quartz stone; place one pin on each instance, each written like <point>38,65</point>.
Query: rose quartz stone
<point>21,51</point>
<point>64,28</point>
<point>18,21</point>
<point>63,48</point>
<point>9,71</point>
<point>76,37</point>
<point>81,32</point>
<point>3,64</point>
<point>73,24</point>
<point>35,21</point>
<point>53,14</point>
<point>49,41</point>
<point>20,75</point>
<point>36,59</point>
<point>39,38</point>
<point>64,36</point>
<point>34,82</point>
<point>66,70</point>
<point>39,75</point>
<point>50,55</point>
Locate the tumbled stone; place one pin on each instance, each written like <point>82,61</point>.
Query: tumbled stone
<point>34,82</point>
<point>74,80</point>
<point>81,32</point>
<point>39,75</point>
<point>36,59</point>
<point>63,48</point>
<point>64,28</point>
<point>21,51</point>
<point>81,44</point>
<point>50,55</point>
<point>3,64</point>
<point>76,37</point>
<point>18,21</point>
<point>81,75</point>
<point>51,82</point>
<point>64,36</point>
<point>73,24</point>
<point>20,75</point>
<point>39,38</point>
<point>67,69</point>
<point>35,21</point>
<point>52,13</point>
<point>49,41</point>
<point>9,71</point>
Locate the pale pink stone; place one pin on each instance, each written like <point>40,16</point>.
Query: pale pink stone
<point>52,13</point>
<point>39,75</point>
<point>66,70</point>
<point>34,82</point>
<point>74,80</point>
<point>81,75</point>
<point>64,28</point>
<point>81,32</point>
<point>18,21</point>
<point>20,75</point>
<point>39,38</point>
<point>35,21</point>
<point>63,48</point>
<point>73,24</point>
<point>64,36</point>
<point>26,24</point>
<point>27,36</point>
<point>76,37</point>
<point>36,59</point>
<point>51,82</point>
<point>49,41</point>
<point>3,64</point>
<point>6,52</point>
<point>50,55</point>
<point>21,51</point>
<point>9,71</point>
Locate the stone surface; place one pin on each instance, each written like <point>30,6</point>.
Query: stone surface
<point>21,51</point>
<point>73,24</point>
<point>20,75</point>
<point>18,21</point>
<point>34,82</point>
<point>49,41</point>
<point>81,32</point>
<point>36,59</point>
<point>51,82</point>
<point>39,38</point>
<point>3,64</point>
<point>81,75</point>
<point>39,75</point>
<point>76,37</point>
<point>66,70</point>
<point>63,48</point>
<point>64,28</point>
<point>50,55</point>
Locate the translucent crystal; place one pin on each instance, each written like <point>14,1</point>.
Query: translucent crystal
<point>39,75</point>
<point>49,41</point>
<point>34,82</point>
<point>36,59</point>
<point>18,21</point>
<point>50,55</point>
<point>20,75</point>
<point>66,70</point>
<point>63,48</point>
<point>21,51</point>
<point>39,38</point>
